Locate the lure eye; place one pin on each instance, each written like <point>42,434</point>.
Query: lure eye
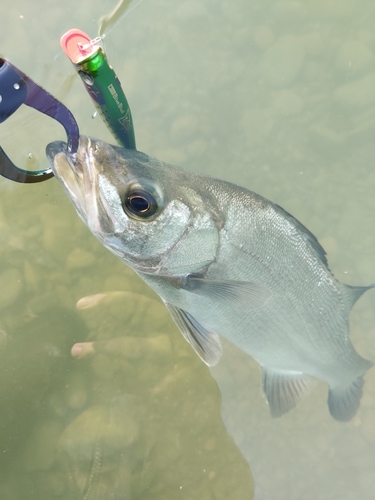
<point>141,204</point>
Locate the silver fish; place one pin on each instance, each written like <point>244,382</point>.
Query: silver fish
<point>225,261</point>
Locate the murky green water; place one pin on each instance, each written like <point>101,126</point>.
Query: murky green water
<point>278,96</point>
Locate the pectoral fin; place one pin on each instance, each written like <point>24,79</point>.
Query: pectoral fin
<point>205,343</point>
<point>239,293</point>
<point>283,390</point>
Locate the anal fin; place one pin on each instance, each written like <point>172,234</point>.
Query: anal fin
<point>283,389</point>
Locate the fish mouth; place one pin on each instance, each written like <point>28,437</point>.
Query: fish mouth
<point>78,173</point>
<point>54,148</point>
<point>76,161</point>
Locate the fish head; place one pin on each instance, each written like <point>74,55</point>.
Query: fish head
<point>152,215</point>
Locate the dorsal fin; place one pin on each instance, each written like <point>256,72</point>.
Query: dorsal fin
<point>321,253</point>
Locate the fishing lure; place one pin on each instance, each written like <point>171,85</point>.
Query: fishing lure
<point>16,88</point>
<point>102,84</point>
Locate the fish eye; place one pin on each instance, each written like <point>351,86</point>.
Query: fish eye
<point>140,203</point>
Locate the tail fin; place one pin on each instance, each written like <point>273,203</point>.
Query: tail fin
<point>343,402</point>
<point>352,293</point>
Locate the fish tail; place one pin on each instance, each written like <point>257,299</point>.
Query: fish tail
<point>343,401</point>
<point>352,293</point>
